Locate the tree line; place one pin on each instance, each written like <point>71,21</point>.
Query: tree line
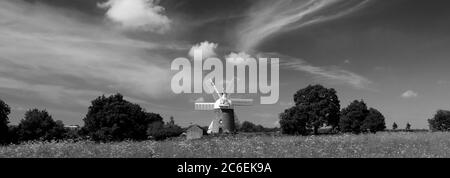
<point>317,107</point>
<point>115,119</point>
<point>108,119</point>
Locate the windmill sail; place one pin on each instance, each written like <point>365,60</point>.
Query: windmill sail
<point>204,106</point>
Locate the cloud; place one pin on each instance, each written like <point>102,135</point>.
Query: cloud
<point>333,75</point>
<point>410,94</point>
<point>50,52</point>
<point>207,48</point>
<point>272,17</point>
<point>137,14</point>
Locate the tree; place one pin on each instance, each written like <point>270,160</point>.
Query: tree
<point>440,121</point>
<point>39,125</point>
<point>374,121</point>
<point>408,126</point>
<point>353,117</point>
<point>394,126</point>
<point>115,119</point>
<point>315,106</point>
<point>13,134</point>
<point>357,118</point>
<point>5,110</point>
<point>293,121</point>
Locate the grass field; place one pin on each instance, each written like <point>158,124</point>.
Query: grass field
<point>381,145</point>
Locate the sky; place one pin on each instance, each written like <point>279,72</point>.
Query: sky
<point>60,55</point>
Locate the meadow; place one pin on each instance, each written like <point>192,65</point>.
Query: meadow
<point>380,145</point>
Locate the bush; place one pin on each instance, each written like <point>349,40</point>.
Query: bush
<point>5,110</point>
<point>160,131</point>
<point>315,107</point>
<point>356,118</point>
<point>440,121</point>
<point>247,126</point>
<point>115,119</point>
<point>39,125</point>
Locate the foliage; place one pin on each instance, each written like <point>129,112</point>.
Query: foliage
<point>247,126</point>
<point>293,121</point>
<point>440,121</point>
<point>394,126</point>
<point>356,118</point>
<point>114,119</point>
<point>315,107</point>
<point>39,125</point>
<point>352,117</point>
<point>374,121</point>
<point>408,126</point>
<point>5,110</point>
<point>160,131</point>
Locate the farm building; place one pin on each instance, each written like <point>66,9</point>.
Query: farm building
<point>194,132</point>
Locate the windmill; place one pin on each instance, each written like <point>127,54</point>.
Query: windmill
<point>224,110</point>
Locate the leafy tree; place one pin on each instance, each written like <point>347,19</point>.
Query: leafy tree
<point>5,110</point>
<point>440,121</point>
<point>374,121</point>
<point>315,107</point>
<point>394,126</point>
<point>353,116</point>
<point>115,119</point>
<point>408,126</point>
<point>321,103</point>
<point>293,121</point>
<point>357,118</point>
<point>39,125</point>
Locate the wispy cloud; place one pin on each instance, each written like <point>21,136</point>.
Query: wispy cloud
<point>272,17</point>
<point>55,54</point>
<point>332,75</point>
<point>410,94</point>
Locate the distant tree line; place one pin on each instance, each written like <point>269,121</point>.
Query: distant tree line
<point>108,119</point>
<point>113,118</point>
<point>248,126</point>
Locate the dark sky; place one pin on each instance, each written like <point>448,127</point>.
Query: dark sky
<point>60,55</point>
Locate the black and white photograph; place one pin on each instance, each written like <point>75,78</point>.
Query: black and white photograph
<point>224,79</point>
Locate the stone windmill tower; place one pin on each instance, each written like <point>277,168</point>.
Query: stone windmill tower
<point>224,110</point>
